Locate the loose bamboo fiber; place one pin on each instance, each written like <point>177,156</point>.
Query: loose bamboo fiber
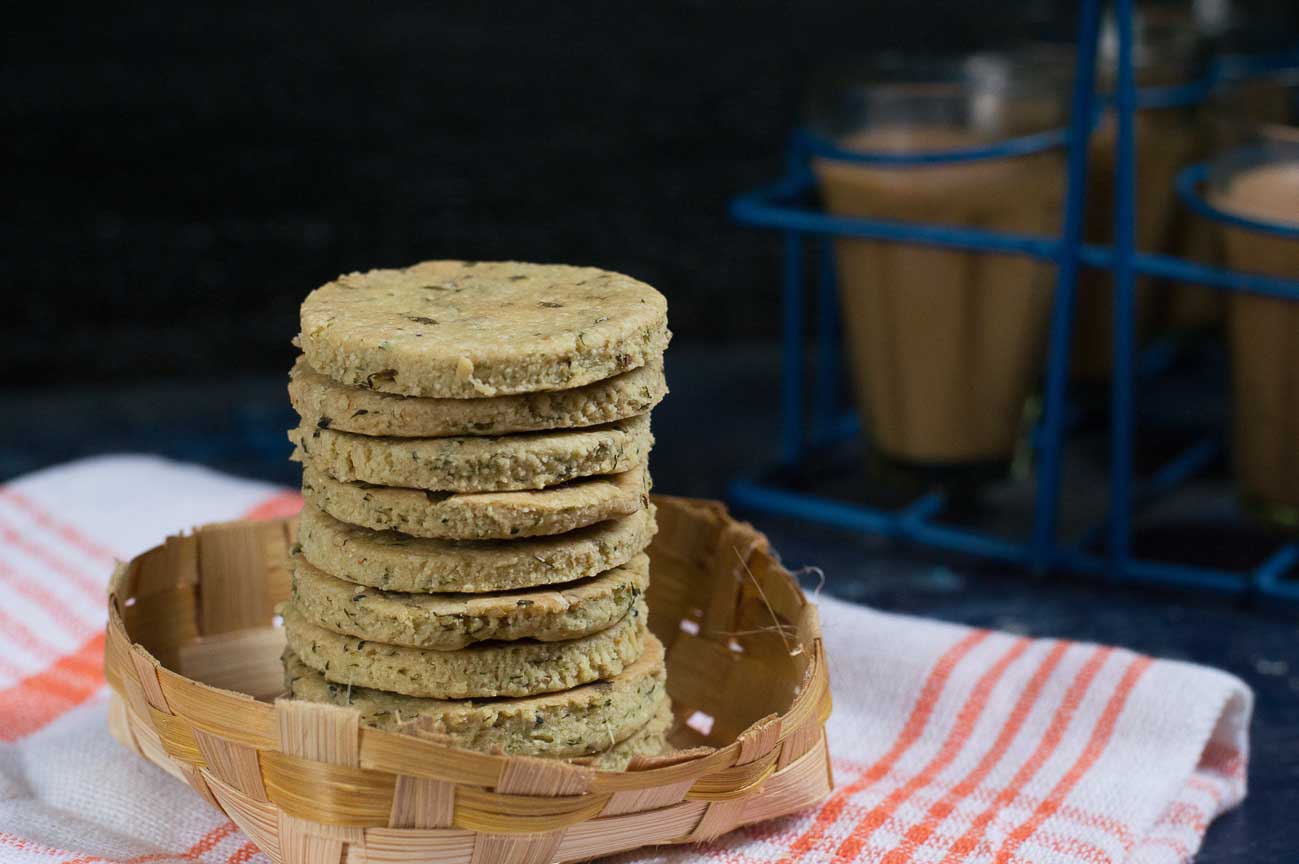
<point>192,657</point>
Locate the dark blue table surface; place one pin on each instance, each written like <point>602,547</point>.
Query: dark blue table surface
<point>718,422</point>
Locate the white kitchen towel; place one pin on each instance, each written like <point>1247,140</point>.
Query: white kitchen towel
<point>949,744</point>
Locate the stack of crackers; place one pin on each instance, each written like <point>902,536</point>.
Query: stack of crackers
<point>474,440</point>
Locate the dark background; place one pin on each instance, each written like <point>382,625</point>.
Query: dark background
<point>177,176</point>
<point>180,175</point>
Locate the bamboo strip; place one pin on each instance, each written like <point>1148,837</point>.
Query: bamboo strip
<point>419,802</point>
<point>119,726</point>
<point>672,596</point>
<point>233,763</point>
<point>321,792</point>
<point>699,669</point>
<point>171,620</point>
<point>117,646</point>
<point>298,846</point>
<point>146,672</point>
<point>608,835</point>
<point>544,778</point>
<point>121,582</point>
<point>243,659</point>
<point>807,705</point>
<point>484,822</point>
<point>674,757</point>
<point>259,819</point>
<point>277,582</point>
<point>414,846</point>
<point>231,576</point>
<point>177,737</point>
<point>688,528</point>
<point>760,739</point>
<point>237,717</point>
<point>725,579</point>
<point>782,594</point>
<point>734,782</point>
<point>164,568</point>
<point>151,746</point>
<point>319,732</point>
<point>194,778</point>
<point>809,622</point>
<point>516,848</point>
<point>133,694</point>
<point>755,690</point>
<point>494,813</point>
<point>636,800</point>
<point>805,737</point>
<point>719,818</point>
<point>690,769</point>
<point>797,787</point>
<point>348,834</point>
<point>486,801</point>
<point>417,757</point>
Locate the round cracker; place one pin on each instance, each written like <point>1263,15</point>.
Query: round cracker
<point>529,460</point>
<point>488,669</point>
<point>464,329</point>
<point>398,562</point>
<point>322,402</point>
<point>445,622</point>
<point>479,515</point>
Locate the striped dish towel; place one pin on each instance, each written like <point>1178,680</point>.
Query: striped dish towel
<point>950,744</point>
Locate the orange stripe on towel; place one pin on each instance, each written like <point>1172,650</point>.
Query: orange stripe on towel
<point>40,698</point>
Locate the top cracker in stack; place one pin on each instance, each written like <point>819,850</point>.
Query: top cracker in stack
<point>475,442</point>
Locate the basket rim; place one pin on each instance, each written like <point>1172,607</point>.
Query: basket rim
<point>393,751</point>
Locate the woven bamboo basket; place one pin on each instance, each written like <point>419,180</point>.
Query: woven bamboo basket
<point>193,660</point>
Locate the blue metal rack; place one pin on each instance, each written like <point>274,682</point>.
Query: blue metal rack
<point>784,206</point>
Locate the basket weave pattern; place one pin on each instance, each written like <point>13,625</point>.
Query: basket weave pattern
<point>193,659</point>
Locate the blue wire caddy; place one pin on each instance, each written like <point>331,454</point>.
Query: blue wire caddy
<point>811,423</point>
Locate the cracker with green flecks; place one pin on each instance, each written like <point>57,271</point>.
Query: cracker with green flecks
<point>479,515</point>
<point>399,562</point>
<point>324,403</point>
<point>486,669</point>
<point>445,622</point>
<point>463,329</point>
<point>528,460</point>
<point>650,740</point>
